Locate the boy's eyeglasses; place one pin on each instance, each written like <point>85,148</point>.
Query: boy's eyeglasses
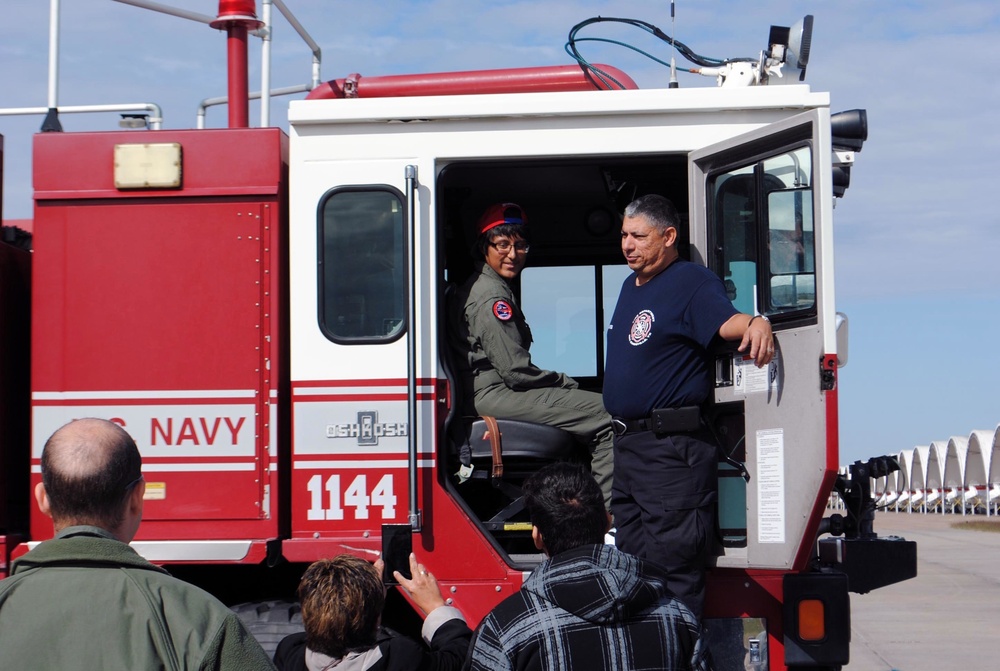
<point>504,246</point>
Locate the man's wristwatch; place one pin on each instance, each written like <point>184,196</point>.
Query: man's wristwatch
<point>758,316</point>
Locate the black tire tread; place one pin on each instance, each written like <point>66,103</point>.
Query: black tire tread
<point>270,621</point>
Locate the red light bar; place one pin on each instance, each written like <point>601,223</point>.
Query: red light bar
<point>242,12</point>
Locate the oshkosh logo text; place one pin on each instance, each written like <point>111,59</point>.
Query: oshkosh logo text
<point>367,430</point>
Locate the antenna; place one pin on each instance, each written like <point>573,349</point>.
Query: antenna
<point>673,33</point>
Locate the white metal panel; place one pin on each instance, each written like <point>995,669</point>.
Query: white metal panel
<point>525,137</point>
<point>359,141</point>
<point>312,357</point>
<point>619,104</point>
<point>786,421</point>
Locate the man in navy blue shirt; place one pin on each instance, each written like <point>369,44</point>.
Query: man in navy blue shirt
<point>657,377</point>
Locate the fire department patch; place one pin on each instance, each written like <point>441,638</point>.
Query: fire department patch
<point>502,311</point>
<point>642,328</point>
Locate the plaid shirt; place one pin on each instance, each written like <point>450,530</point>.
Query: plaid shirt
<point>591,608</point>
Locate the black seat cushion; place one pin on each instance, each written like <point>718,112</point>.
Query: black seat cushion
<point>522,440</point>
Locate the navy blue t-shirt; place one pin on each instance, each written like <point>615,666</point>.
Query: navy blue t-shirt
<point>657,356</point>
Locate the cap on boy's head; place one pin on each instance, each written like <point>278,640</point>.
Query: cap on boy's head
<point>499,214</point>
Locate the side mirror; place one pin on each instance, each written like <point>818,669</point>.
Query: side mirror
<point>849,129</point>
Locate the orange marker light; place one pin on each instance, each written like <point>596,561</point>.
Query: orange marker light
<point>812,620</point>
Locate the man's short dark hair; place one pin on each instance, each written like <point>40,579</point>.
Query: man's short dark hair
<point>342,600</point>
<point>657,210</point>
<point>86,485</point>
<point>566,504</point>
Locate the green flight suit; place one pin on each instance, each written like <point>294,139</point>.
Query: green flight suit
<point>498,378</point>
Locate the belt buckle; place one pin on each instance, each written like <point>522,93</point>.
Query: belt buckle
<point>618,426</point>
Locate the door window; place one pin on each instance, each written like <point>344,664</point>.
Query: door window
<point>362,292</point>
<point>763,234</point>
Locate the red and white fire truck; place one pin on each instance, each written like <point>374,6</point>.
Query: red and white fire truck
<point>264,312</point>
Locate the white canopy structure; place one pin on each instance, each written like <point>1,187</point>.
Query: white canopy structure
<point>933,482</point>
<point>890,490</point>
<point>918,477</point>
<point>962,471</point>
<point>905,459</point>
<point>993,471</point>
<point>953,473</point>
<point>977,468</point>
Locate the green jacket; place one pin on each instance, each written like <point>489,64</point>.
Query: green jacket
<point>85,600</point>
<point>490,333</point>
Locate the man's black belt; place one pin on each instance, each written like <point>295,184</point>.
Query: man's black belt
<point>661,421</point>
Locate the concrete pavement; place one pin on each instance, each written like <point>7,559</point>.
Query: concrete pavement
<point>948,617</point>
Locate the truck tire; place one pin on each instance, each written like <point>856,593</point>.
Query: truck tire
<point>270,621</point>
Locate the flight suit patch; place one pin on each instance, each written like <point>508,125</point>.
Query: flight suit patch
<point>502,311</point>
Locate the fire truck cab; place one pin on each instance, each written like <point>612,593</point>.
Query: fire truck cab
<point>265,313</point>
<point>383,199</point>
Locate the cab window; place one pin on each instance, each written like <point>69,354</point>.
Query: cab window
<point>362,278</point>
<point>762,224</point>
<point>568,309</point>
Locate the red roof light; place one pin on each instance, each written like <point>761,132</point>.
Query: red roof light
<point>237,11</point>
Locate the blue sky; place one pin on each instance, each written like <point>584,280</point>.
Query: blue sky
<point>918,233</point>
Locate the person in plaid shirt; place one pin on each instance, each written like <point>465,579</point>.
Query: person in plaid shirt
<point>588,605</point>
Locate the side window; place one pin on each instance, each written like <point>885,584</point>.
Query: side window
<point>362,276</point>
<point>613,276</point>
<point>763,234</point>
<point>736,218</point>
<point>791,270</point>
<point>559,305</point>
<point>566,308</point>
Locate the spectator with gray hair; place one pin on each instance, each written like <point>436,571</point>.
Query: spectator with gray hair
<point>85,599</point>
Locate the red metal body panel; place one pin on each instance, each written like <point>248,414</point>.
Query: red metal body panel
<point>514,80</point>
<point>832,417</point>
<point>8,547</point>
<point>224,162</point>
<point>162,310</point>
<point>327,484</point>
<point>807,547</point>
<point>735,594</point>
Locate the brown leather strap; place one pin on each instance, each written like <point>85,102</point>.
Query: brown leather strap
<point>494,434</point>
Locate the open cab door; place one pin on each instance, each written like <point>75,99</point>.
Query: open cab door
<point>761,209</point>
<point>761,218</point>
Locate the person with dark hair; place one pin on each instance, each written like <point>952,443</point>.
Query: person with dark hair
<point>85,599</point>
<point>492,340</point>
<point>589,606</point>
<point>342,601</point>
<point>659,373</point>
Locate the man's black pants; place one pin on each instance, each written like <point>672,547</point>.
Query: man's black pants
<point>663,501</point>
